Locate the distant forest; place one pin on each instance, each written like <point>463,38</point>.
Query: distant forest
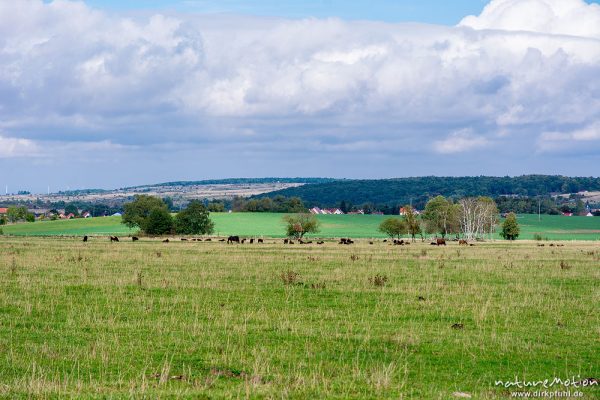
<point>385,194</point>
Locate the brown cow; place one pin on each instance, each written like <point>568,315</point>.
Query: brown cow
<point>440,242</point>
<point>462,242</point>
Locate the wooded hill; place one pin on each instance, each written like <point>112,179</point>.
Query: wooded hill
<point>418,190</point>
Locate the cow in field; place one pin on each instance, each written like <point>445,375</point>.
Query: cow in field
<point>183,239</point>
<point>233,239</point>
<point>321,242</point>
<point>135,238</point>
<point>463,242</point>
<point>85,238</point>
<point>286,241</point>
<point>251,241</point>
<point>260,241</point>
<point>114,239</point>
<point>440,242</point>
<point>207,240</point>
<point>166,241</point>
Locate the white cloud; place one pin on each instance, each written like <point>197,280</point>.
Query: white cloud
<point>558,17</point>
<point>557,141</point>
<point>69,73</point>
<point>15,147</point>
<point>459,142</point>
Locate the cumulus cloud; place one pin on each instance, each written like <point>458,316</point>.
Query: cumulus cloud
<point>70,73</point>
<point>557,17</point>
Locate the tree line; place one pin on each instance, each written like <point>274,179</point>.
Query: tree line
<point>387,195</point>
<point>472,218</point>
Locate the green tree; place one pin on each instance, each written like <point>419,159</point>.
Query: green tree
<point>71,209</point>
<point>411,220</point>
<point>15,214</point>
<point>441,216</point>
<point>194,220</point>
<point>30,217</point>
<point>510,227</point>
<point>136,213</point>
<point>393,227</point>
<point>216,206</point>
<point>159,222</point>
<point>298,225</point>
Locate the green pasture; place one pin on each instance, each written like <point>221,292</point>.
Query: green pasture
<point>208,320</point>
<point>551,227</point>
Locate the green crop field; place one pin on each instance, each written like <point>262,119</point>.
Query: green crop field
<point>270,225</point>
<point>206,320</point>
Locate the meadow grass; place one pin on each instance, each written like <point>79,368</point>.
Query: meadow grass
<point>210,320</point>
<point>551,227</point>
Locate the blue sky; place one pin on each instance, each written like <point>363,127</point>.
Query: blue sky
<point>117,93</point>
<point>431,11</point>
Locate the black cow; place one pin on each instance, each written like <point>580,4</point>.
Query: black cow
<point>260,241</point>
<point>183,239</point>
<point>207,240</point>
<point>286,241</point>
<point>85,238</point>
<point>135,238</point>
<point>233,239</point>
<point>251,241</point>
<point>166,241</point>
<point>114,239</point>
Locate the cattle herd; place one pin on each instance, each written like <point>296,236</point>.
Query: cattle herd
<point>235,239</point>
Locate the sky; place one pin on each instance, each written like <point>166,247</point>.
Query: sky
<point>107,94</point>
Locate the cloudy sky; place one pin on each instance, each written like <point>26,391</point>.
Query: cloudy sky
<point>116,93</point>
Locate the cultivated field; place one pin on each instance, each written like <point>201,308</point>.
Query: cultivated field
<point>210,320</point>
<point>270,225</point>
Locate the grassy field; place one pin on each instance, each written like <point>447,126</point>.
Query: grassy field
<point>270,225</point>
<point>210,320</point>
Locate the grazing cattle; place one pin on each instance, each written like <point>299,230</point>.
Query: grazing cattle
<point>321,242</point>
<point>114,239</point>
<point>221,240</point>
<point>440,242</point>
<point>233,239</point>
<point>183,239</point>
<point>291,242</point>
<point>309,242</point>
<point>206,240</point>
<point>243,241</point>
<point>286,241</point>
<point>385,241</point>
<point>472,244</point>
<point>85,238</point>
<point>134,238</point>
<point>399,242</point>
<point>462,242</point>
<point>346,241</point>
<point>433,243</point>
<point>371,242</point>
<point>166,241</point>
<point>260,241</point>
<point>300,241</point>
<point>251,241</point>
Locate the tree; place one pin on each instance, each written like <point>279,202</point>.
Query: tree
<point>71,209</point>
<point>194,220</point>
<point>510,227</point>
<point>413,226</point>
<point>159,222</point>
<point>30,217</point>
<point>15,214</point>
<point>297,225</point>
<point>477,216</point>
<point>393,227</point>
<point>136,213</point>
<point>441,216</point>
<point>216,206</point>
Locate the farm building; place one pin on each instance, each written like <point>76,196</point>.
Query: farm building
<point>3,211</point>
